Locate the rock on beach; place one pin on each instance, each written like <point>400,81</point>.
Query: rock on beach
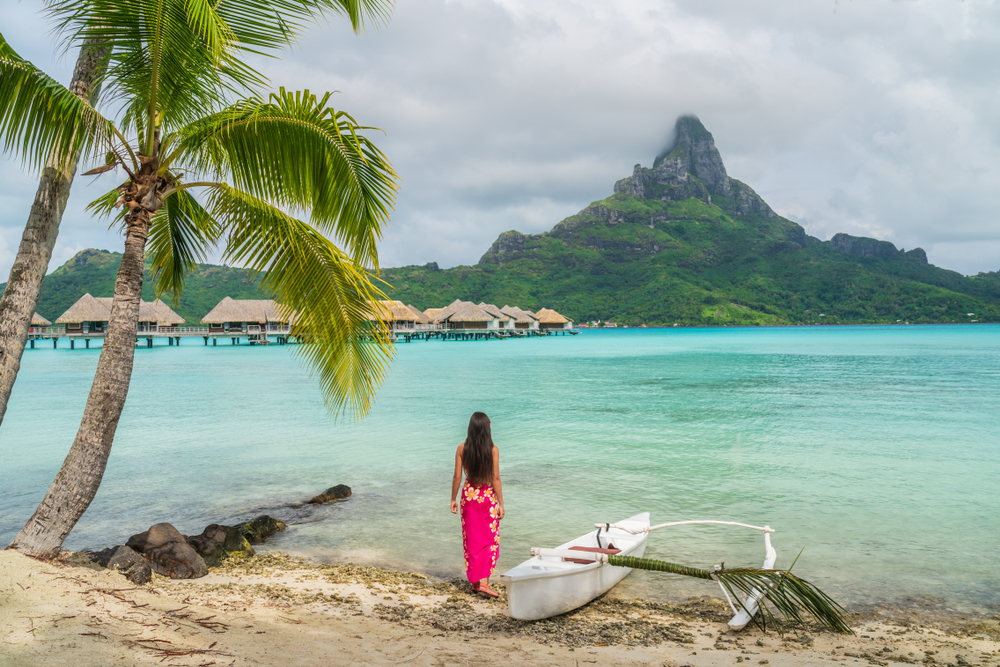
<point>258,530</point>
<point>338,492</point>
<point>130,563</point>
<point>168,552</point>
<point>217,542</point>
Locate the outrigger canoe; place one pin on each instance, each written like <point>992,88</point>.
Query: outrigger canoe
<point>555,581</point>
<point>545,586</point>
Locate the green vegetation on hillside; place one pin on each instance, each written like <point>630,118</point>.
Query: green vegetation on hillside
<point>648,261</point>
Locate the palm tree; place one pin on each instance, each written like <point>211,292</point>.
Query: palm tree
<point>20,298</point>
<point>203,171</point>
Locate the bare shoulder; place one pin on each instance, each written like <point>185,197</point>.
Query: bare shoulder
<point>461,448</point>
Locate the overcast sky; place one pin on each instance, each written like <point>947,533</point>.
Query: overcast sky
<point>874,117</point>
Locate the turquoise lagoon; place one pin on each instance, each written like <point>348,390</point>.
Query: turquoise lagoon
<point>875,448</point>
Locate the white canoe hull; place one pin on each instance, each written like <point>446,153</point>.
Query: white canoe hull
<point>545,587</point>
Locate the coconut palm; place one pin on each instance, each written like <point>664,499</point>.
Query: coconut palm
<point>203,169</point>
<point>20,298</point>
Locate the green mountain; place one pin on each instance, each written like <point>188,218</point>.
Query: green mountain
<point>680,242</point>
<point>94,271</point>
<point>684,243</point>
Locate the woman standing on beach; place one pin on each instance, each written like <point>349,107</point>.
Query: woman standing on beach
<point>482,502</point>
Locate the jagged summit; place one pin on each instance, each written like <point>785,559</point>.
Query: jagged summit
<point>692,167</point>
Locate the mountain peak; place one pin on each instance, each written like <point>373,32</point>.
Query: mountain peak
<point>691,167</point>
<point>689,133</point>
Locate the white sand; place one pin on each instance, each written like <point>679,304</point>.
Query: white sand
<point>54,615</point>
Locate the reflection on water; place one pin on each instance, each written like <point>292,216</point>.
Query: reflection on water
<point>874,448</point>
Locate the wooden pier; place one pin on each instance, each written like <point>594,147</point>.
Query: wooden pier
<point>408,335</point>
<point>173,335</point>
<point>275,335</point>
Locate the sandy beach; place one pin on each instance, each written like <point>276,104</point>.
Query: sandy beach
<point>278,610</point>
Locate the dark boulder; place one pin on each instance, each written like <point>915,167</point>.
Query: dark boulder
<point>219,542</point>
<point>168,552</point>
<point>338,492</point>
<point>103,556</point>
<point>130,563</point>
<point>157,535</point>
<point>261,528</point>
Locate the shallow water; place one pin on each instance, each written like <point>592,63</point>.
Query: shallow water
<point>875,448</point>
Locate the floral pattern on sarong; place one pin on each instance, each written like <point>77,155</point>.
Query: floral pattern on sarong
<point>480,530</point>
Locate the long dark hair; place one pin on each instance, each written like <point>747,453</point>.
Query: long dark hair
<point>477,457</point>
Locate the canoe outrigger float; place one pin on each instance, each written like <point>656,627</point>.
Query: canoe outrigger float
<point>555,581</point>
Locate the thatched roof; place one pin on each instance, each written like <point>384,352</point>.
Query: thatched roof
<point>421,318</point>
<point>441,314</point>
<point>147,313</point>
<point>493,310</point>
<point>261,311</point>
<point>400,313</point>
<point>98,309</point>
<point>549,316</point>
<point>464,311</point>
<point>86,309</point>
<point>520,316</point>
<point>39,321</point>
<point>391,311</point>
<point>165,315</point>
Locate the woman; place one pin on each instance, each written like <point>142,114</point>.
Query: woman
<point>482,502</point>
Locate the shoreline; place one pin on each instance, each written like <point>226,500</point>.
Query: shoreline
<point>276,609</point>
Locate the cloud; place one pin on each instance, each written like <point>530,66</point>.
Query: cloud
<point>874,118</point>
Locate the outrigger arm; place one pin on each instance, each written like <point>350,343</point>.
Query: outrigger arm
<point>757,583</point>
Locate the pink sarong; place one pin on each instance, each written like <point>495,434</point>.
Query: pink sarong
<point>480,530</point>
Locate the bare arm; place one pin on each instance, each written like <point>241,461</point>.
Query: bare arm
<point>497,490</point>
<point>456,479</point>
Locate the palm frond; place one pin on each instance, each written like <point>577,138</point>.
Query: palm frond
<point>297,151</point>
<point>41,120</point>
<point>180,236</point>
<point>214,32</point>
<point>183,57</point>
<point>269,24</point>
<point>169,59</point>
<point>107,205</point>
<point>786,592</point>
<point>328,294</point>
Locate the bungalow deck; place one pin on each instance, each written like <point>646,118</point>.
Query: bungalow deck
<point>252,335</point>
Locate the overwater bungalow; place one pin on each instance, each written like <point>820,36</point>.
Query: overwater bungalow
<point>549,319</point>
<point>467,315</point>
<point>39,321</point>
<point>506,321</point>
<point>90,316</point>
<point>431,313</point>
<point>166,319</point>
<point>522,319</point>
<point>421,317</point>
<point>396,314</point>
<point>248,316</point>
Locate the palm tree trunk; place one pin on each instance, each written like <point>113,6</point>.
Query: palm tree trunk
<point>77,482</point>
<point>20,299</point>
